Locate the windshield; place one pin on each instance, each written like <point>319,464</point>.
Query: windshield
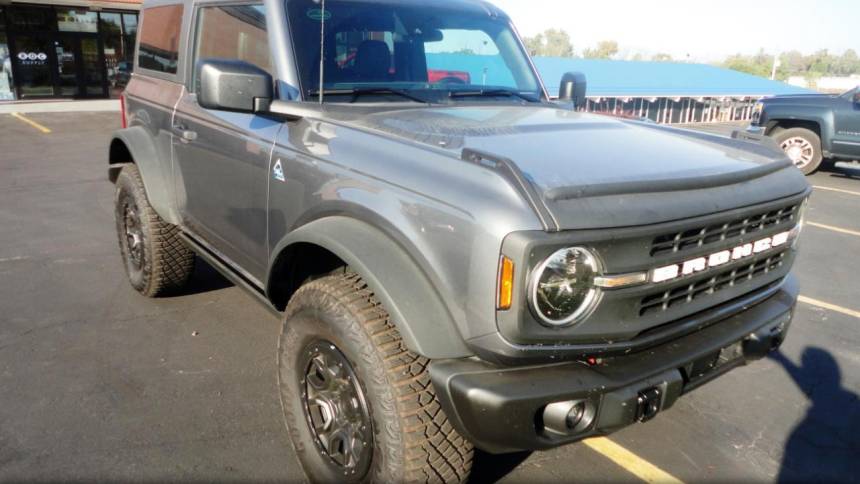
<point>428,52</point>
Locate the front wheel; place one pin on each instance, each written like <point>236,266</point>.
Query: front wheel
<point>359,406</point>
<point>802,146</point>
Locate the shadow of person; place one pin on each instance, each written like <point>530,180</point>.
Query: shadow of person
<point>825,446</point>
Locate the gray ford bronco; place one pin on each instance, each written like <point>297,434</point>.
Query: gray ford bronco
<point>458,261</point>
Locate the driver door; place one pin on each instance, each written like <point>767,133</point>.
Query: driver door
<point>222,158</point>
<point>846,141</point>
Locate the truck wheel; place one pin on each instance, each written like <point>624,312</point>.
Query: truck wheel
<point>359,406</point>
<point>802,146</point>
<point>155,258</point>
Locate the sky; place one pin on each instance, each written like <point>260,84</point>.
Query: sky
<point>706,31</point>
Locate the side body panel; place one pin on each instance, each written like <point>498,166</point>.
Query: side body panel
<point>846,141</point>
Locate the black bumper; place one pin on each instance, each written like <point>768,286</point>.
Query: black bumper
<point>502,409</point>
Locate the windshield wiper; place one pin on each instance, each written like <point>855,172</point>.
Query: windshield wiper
<point>369,91</point>
<point>492,93</point>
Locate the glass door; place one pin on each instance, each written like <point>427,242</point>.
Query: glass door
<point>79,66</point>
<point>92,72</point>
<point>67,66</point>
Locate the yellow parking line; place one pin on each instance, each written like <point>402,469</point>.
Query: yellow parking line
<point>32,123</point>
<point>832,307</point>
<point>834,229</point>
<point>849,192</point>
<point>631,462</point>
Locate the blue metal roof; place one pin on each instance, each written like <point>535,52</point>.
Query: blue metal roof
<point>608,78</point>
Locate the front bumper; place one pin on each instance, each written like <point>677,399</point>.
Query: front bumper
<point>503,409</point>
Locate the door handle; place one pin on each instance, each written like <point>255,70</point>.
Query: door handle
<point>185,135</point>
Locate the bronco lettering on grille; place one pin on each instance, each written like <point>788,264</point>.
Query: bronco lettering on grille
<point>717,259</point>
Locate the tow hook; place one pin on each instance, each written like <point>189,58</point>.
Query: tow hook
<point>648,404</point>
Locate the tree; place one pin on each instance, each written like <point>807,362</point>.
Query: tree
<point>605,49</point>
<point>661,57</point>
<point>550,43</point>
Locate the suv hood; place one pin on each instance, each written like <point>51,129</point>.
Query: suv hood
<point>594,171</point>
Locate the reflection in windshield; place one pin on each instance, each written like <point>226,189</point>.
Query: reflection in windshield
<point>428,51</point>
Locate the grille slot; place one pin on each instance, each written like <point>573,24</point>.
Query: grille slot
<point>702,236</point>
<point>680,295</point>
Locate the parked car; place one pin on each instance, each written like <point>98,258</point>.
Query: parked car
<point>811,128</point>
<point>454,265</point>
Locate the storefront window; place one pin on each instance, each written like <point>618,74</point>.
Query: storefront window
<point>76,20</point>
<point>7,93</point>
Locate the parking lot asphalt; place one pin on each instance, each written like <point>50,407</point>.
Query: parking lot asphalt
<point>99,383</point>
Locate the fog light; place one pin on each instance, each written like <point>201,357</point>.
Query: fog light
<point>568,418</point>
<point>575,415</point>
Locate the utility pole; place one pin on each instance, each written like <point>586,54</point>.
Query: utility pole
<point>776,64</point>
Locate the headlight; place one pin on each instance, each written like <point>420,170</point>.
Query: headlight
<point>562,288</point>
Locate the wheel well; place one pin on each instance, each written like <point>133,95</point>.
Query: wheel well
<point>294,266</point>
<point>793,123</point>
<point>118,156</point>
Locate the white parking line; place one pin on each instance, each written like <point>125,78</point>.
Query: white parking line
<point>832,307</point>
<point>834,229</point>
<point>839,190</point>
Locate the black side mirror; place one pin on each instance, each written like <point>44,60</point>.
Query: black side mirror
<point>857,97</point>
<point>573,88</point>
<point>232,85</point>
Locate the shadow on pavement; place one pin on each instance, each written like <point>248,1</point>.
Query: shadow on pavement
<point>843,170</point>
<point>204,279</point>
<point>825,446</point>
<point>489,468</point>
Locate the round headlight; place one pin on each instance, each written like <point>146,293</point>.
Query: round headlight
<point>562,288</point>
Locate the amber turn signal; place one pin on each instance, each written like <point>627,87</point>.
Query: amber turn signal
<point>506,283</point>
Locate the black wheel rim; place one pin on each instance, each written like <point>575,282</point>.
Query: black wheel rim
<point>336,409</point>
<point>133,235</point>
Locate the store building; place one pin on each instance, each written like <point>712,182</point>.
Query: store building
<point>66,48</point>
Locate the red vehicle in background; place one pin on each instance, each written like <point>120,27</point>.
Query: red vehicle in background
<point>435,76</point>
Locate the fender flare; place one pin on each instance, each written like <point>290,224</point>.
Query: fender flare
<point>155,173</point>
<point>414,305</point>
<point>823,118</point>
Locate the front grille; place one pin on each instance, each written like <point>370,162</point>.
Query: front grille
<point>679,295</point>
<point>702,236</point>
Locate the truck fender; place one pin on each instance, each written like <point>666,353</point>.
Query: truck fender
<point>135,145</point>
<point>405,291</point>
<point>806,114</point>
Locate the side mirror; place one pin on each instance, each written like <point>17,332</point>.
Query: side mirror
<point>857,97</point>
<point>572,90</point>
<point>231,85</point>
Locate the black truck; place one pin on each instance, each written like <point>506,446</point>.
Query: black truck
<point>811,128</point>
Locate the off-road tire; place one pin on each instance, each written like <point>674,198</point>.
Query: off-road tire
<point>782,135</point>
<point>413,441</point>
<point>167,263</point>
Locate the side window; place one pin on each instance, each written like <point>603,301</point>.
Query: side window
<point>233,32</point>
<point>159,38</point>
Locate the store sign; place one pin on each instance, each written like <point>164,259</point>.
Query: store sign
<point>32,58</point>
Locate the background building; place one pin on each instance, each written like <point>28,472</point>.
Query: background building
<point>665,92</point>
<point>66,48</point>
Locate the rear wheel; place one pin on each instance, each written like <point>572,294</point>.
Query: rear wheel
<point>802,146</point>
<point>155,258</point>
<point>359,406</point>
